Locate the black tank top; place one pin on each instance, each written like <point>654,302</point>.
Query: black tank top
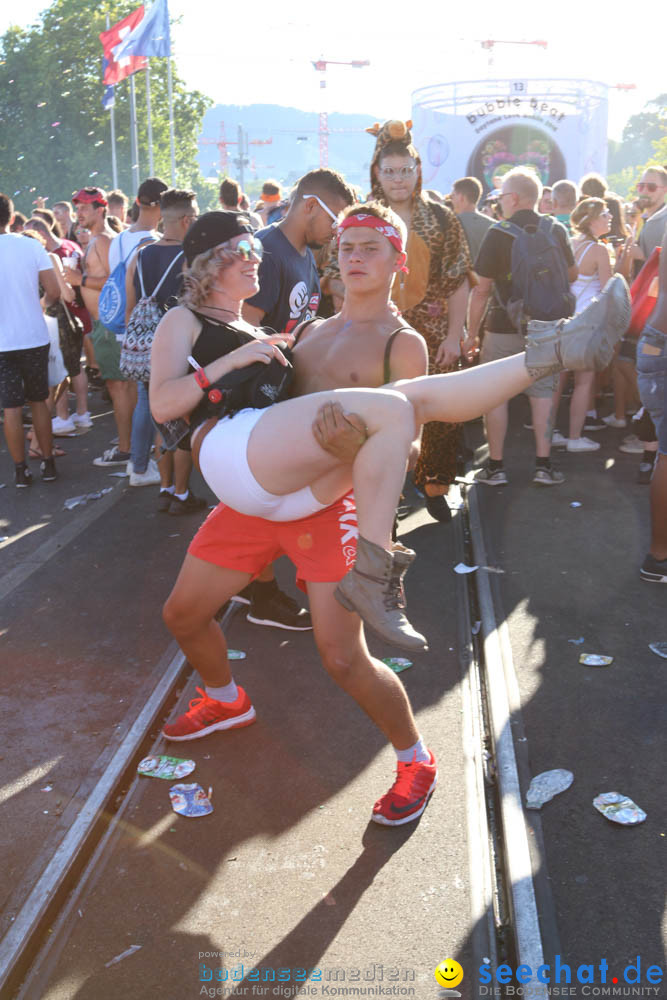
<point>214,341</point>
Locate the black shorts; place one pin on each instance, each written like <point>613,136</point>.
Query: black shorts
<point>24,375</point>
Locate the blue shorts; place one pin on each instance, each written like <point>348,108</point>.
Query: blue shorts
<point>652,380</point>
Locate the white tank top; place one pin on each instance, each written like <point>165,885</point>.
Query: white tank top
<point>586,286</point>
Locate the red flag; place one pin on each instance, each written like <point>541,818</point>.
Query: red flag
<point>111,39</point>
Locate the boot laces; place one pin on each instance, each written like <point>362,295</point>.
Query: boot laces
<point>394,597</point>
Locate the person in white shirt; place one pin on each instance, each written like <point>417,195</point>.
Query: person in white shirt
<point>24,343</point>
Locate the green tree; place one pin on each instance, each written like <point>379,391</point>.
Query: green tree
<point>54,134</point>
<point>640,133</point>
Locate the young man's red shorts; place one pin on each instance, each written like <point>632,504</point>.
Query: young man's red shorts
<point>322,547</point>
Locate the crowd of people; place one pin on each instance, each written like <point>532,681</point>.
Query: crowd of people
<point>380,325</point>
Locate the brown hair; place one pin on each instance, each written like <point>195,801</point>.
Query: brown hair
<point>586,212</point>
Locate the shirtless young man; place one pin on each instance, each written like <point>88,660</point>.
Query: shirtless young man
<point>91,211</point>
<point>347,350</point>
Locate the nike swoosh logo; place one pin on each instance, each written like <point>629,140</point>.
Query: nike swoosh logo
<point>404,809</point>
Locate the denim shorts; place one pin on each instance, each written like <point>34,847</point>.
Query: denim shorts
<point>652,380</point>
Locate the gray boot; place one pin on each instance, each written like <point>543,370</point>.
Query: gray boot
<point>584,342</point>
<point>374,589</point>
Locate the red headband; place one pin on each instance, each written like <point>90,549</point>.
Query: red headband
<point>372,222</point>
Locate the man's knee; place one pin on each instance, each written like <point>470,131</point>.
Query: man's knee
<point>179,614</point>
<point>342,660</point>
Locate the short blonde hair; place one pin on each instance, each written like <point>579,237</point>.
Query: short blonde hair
<point>202,273</point>
<point>525,183</point>
<point>380,211</point>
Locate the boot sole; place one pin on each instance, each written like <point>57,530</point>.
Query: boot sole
<point>411,648</point>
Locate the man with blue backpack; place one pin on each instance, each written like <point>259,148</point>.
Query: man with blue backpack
<point>525,266</point>
<point>108,332</point>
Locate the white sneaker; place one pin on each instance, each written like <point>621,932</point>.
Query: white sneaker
<point>632,447</point>
<point>82,419</point>
<point>63,428</point>
<point>582,444</point>
<point>558,441</point>
<point>151,477</point>
<point>613,421</point>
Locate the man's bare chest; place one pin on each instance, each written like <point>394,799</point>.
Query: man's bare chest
<point>337,361</point>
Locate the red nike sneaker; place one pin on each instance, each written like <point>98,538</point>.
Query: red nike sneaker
<point>408,796</point>
<point>205,715</point>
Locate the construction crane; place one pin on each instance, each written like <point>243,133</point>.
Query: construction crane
<point>242,142</point>
<point>489,44</point>
<point>320,66</point>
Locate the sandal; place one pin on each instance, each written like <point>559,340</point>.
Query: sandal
<point>57,452</point>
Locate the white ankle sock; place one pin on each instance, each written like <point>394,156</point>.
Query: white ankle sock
<point>167,489</point>
<point>418,752</point>
<point>182,496</point>
<point>228,693</point>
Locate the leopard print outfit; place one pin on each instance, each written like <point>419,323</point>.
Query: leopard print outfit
<point>448,266</point>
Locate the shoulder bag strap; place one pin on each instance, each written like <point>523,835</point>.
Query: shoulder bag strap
<point>387,352</point>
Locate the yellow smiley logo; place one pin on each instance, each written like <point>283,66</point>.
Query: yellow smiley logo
<point>449,973</point>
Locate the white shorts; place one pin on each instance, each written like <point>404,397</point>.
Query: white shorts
<point>224,465</point>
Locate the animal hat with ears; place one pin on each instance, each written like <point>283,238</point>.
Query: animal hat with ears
<point>393,131</point>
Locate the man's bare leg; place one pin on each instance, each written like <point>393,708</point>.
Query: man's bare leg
<point>342,646</point>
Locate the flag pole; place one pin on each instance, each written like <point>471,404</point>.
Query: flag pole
<point>114,162</point>
<point>172,145</point>
<point>133,135</point>
<point>149,121</point>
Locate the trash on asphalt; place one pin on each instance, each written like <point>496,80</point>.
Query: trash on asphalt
<point>619,808</point>
<point>575,503</point>
<point>577,642</point>
<point>47,788</point>
<point>124,954</point>
<point>463,568</point>
<point>397,663</point>
<point>80,501</point>
<point>595,660</point>
<point>235,654</point>
<point>545,786</point>
<point>659,648</point>
<point>161,766</point>
<point>118,475</point>
<point>4,538</point>
<point>190,800</point>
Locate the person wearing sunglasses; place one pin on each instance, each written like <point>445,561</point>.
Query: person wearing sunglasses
<point>282,491</point>
<point>289,285</point>
<point>652,190</point>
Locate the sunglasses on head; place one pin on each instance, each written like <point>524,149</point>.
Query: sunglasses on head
<point>648,186</point>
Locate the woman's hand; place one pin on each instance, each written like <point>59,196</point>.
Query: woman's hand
<point>260,350</point>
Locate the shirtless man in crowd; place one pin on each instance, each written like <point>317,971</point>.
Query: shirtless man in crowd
<point>354,348</point>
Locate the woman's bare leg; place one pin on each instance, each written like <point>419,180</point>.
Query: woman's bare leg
<point>284,456</point>
<point>460,396</point>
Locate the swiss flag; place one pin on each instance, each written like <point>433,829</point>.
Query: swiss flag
<point>117,71</point>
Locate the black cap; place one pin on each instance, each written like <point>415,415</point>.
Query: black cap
<point>212,229</point>
<point>150,191</point>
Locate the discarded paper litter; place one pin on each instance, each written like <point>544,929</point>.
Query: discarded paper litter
<point>162,766</point>
<point>397,663</point>
<point>545,786</point>
<point>619,808</point>
<point>80,501</point>
<point>595,660</point>
<point>190,800</point>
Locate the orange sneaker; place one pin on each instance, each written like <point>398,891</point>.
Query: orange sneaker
<point>408,796</point>
<point>205,715</point>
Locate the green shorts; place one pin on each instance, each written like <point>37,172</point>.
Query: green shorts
<point>107,352</point>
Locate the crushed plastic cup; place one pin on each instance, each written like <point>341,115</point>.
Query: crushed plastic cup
<point>397,663</point>
<point>161,766</point>
<point>82,500</point>
<point>464,568</point>
<point>619,808</point>
<point>190,800</point>
<point>659,648</point>
<point>545,786</point>
<point>596,660</point>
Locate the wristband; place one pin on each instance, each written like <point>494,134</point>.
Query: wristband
<point>200,375</point>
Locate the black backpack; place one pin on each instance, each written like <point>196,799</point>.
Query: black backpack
<point>540,285</point>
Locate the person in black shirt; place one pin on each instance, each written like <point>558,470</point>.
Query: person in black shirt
<point>520,194</point>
